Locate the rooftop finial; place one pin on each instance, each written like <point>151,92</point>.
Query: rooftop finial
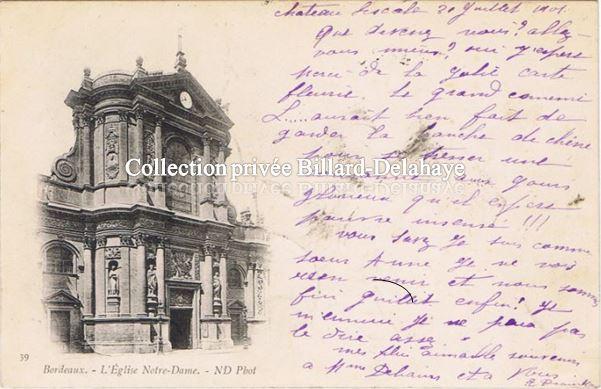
<point>180,63</point>
<point>86,83</point>
<point>140,71</point>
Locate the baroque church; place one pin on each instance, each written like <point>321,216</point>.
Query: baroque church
<point>147,264</point>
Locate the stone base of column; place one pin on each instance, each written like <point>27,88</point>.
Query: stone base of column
<point>112,305</point>
<point>216,333</point>
<point>126,335</point>
<point>152,303</point>
<point>163,345</point>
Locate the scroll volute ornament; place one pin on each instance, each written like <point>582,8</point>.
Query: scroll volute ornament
<point>64,167</point>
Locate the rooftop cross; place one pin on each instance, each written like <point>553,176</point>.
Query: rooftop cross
<point>180,63</point>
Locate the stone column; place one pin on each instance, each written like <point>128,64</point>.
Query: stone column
<point>206,304</point>
<point>158,153</point>
<point>83,126</point>
<point>221,179</point>
<point>196,183</point>
<point>160,259</point>
<point>88,286</point>
<point>195,328</point>
<point>252,292</point>
<point>100,278</point>
<point>138,275</point>
<point>223,280</point>
<point>204,180</point>
<point>123,129</point>
<point>248,292</point>
<point>137,139</point>
<point>98,150</point>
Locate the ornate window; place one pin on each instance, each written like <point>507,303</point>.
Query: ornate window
<point>179,197</point>
<point>234,278</point>
<point>59,259</point>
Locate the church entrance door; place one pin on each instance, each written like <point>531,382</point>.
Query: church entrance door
<point>60,328</point>
<point>237,328</point>
<point>179,328</point>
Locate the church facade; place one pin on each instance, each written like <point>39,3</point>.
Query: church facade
<point>138,264</point>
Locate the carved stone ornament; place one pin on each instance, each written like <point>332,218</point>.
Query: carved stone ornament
<point>98,120</point>
<point>181,297</point>
<point>217,303</point>
<point>111,147</point>
<point>112,253</point>
<point>128,240</point>
<point>162,242</point>
<point>208,250</point>
<point>149,146</point>
<point>139,113</point>
<point>124,116</point>
<point>88,242</point>
<point>196,259</point>
<point>260,293</point>
<point>141,239</point>
<point>64,169</point>
<point>82,119</point>
<point>179,265</point>
<point>101,242</point>
<point>223,251</point>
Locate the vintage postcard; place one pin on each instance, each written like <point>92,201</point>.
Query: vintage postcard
<point>300,194</point>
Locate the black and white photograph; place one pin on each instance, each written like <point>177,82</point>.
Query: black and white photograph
<point>299,194</point>
<point>147,265</point>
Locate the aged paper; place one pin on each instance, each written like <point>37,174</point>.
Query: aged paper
<point>488,277</point>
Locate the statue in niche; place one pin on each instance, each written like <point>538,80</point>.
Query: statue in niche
<point>151,280</point>
<point>216,287</point>
<point>113,279</point>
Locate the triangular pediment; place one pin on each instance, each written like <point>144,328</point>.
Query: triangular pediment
<point>62,297</point>
<point>170,86</point>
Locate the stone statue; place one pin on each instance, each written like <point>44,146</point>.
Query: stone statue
<point>216,287</point>
<point>113,276</point>
<point>151,280</point>
<point>246,218</point>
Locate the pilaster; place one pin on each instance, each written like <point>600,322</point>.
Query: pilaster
<point>206,305</point>
<point>158,152</point>
<point>137,248</point>
<point>88,284</point>
<point>100,278</point>
<point>160,263</point>
<point>205,190</point>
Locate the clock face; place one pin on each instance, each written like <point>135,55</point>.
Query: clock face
<point>185,99</point>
